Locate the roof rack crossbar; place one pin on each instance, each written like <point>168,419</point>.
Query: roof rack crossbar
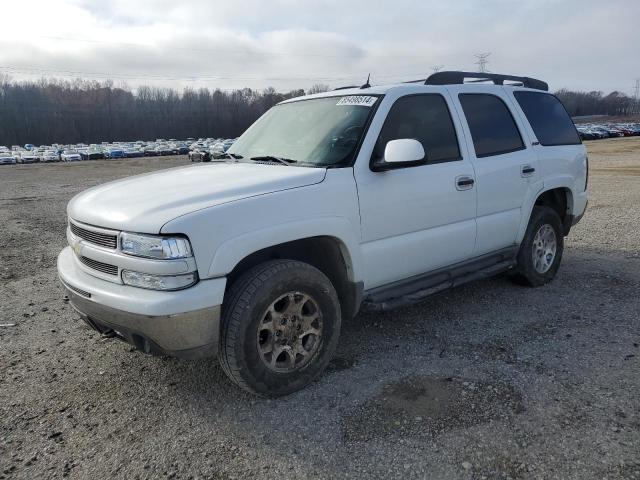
<point>457,78</point>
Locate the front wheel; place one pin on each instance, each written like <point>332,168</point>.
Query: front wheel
<point>280,327</point>
<point>541,248</point>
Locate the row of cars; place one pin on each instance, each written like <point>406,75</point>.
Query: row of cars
<point>72,153</point>
<point>597,131</point>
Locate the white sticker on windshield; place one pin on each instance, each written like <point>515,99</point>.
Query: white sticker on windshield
<point>362,100</point>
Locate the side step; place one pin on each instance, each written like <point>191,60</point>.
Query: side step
<point>416,290</point>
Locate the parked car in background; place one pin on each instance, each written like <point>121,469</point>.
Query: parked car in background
<point>28,157</point>
<point>614,132</point>
<point>133,152</point>
<point>200,154</point>
<point>49,156</point>
<point>7,158</point>
<point>150,150</point>
<point>165,149</point>
<point>181,148</point>
<point>70,156</point>
<point>91,153</point>
<point>114,152</point>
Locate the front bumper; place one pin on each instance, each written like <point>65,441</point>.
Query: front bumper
<point>183,323</point>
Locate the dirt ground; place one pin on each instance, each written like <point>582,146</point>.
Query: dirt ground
<point>489,380</point>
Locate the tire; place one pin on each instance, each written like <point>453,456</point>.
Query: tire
<point>262,347</point>
<point>544,220</point>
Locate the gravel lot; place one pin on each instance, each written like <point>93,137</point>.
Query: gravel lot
<point>490,380</point>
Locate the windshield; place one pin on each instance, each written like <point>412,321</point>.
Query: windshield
<point>322,131</point>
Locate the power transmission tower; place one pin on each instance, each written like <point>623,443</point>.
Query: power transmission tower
<point>636,97</point>
<point>482,62</point>
<point>437,68</point>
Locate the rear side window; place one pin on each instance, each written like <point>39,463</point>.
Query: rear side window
<point>493,129</point>
<point>548,118</point>
<point>424,118</point>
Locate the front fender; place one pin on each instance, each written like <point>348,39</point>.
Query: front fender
<point>233,250</point>
<point>223,235</point>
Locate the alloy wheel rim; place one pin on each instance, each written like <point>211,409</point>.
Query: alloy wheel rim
<point>290,332</point>
<point>544,248</point>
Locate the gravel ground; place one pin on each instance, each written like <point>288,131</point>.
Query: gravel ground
<point>490,380</point>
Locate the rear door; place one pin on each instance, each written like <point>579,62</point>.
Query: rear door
<point>420,217</point>
<point>506,167</point>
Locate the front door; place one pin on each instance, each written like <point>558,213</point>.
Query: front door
<point>421,217</point>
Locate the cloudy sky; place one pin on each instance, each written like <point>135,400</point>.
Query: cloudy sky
<point>580,44</point>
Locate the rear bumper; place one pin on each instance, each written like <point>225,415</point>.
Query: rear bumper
<point>184,323</point>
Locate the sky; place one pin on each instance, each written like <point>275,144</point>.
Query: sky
<point>287,44</point>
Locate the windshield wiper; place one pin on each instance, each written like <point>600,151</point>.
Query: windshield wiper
<point>271,158</point>
<point>225,155</point>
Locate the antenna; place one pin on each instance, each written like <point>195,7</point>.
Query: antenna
<point>366,85</point>
<point>436,68</point>
<point>482,62</point>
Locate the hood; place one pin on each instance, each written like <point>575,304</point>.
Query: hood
<point>144,203</point>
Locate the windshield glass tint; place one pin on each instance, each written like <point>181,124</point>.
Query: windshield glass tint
<point>322,131</point>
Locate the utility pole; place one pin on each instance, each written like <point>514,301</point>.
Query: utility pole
<point>437,68</point>
<point>482,62</point>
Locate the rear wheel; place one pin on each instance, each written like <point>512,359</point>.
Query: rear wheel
<point>541,250</point>
<point>280,327</point>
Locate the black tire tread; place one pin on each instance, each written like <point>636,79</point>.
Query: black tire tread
<point>237,299</point>
<point>524,273</point>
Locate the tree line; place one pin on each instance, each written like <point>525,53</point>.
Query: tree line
<point>60,111</point>
<point>597,103</point>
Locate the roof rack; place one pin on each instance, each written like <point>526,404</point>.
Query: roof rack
<point>456,78</point>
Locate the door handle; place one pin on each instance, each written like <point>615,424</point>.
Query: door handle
<point>464,182</point>
<point>527,170</point>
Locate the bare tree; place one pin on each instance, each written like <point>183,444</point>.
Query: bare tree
<point>318,88</point>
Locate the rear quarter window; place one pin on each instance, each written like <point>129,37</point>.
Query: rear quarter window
<point>549,119</point>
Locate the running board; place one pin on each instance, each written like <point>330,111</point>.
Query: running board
<point>417,289</point>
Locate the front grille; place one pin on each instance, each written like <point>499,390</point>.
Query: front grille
<point>101,267</point>
<point>97,238</point>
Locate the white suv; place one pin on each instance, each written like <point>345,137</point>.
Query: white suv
<point>369,197</point>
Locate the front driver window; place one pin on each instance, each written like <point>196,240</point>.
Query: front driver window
<point>425,118</point>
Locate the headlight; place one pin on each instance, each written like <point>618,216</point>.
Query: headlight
<point>158,282</point>
<point>155,246</point>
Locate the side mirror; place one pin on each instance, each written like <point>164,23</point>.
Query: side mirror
<point>404,150</point>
